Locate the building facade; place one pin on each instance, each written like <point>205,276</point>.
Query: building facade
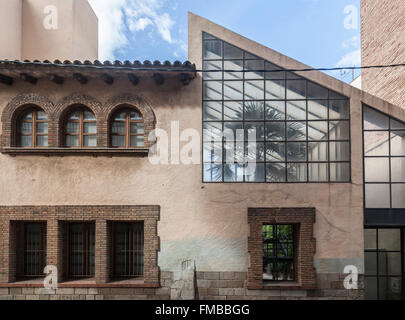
<point>81,189</point>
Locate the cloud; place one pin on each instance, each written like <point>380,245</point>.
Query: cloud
<point>351,59</point>
<point>119,17</point>
<point>353,42</point>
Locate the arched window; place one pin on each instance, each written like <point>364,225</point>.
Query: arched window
<point>80,128</point>
<point>33,129</point>
<point>127,129</point>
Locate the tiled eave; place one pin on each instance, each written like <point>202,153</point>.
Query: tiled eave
<point>57,71</point>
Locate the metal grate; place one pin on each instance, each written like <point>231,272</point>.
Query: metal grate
<point>81,250</point>
<point>278,253</point>
<point>128,249</point>
<point>34,249</point>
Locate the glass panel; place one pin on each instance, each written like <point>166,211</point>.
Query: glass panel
<point>376,170</point>
<point>212,90</point>
<point>275,110</point>
<point>275,131</point>
<point>212,131</point>
<point>135,116</point>
<point>74,116</point>
<point>297,172</point>
<point>370,239</point>
<point>42,127</point>
<point>398,143</point>
<point>296,110</point>
<point>317,130</point>
<point>72,127</point>
<point>296,89</point>
<point>339,151</point>
<point>318,151</point>
<point>208,36</point>
<point>236,65</point>
<point>317,109</point>
<point>233,173</point>
<point>72,141</point>
<point>26,141</point>
<point>118,127</point>
<point>118,141</point>
<point>254,110</point>
<point>27,116</point>
<point>137,141</point>
<point>254,173</point>
<point>318,172</point>
<point>377,195</point>
<point>339,172</point>
<point>234,130</point>
<point>212,50</point>
<point>316,92</point>
<point>254,90</point>
<point>275,151</point>
<point>274,75</point>
<point>26,127</point>
<point>275,89</point>
<point>212,152</point>
<point>397,125</point>
<point>374,120</point>
<point>212,110</point>
<point>275,172</point>
<point>339,130</point>
<point>42,141</point>
<point>89,116</point>
<point>370,263</point>
<point>398,196</point>
<point>233,110</point>
<point>296,131</point>
<point>234,151</point>
<point>122,116</point>
<point>231,52</point>
<point>390,288</point>
<point>339,109</point>
<point>398,170</point>
<point>371,291</point>
<point>90,141</point>
<point>254,65</point>
<point>233,90</point>
<point>296,151</point>
<point>41,115</point>
<point>376,143</point>
<point>89,127</point>
<point>137,128</point>
<point>212,172</point>
<point>389,239</point>
<point>389,263</point>
<point>251,126</point>
<point>212,65</point>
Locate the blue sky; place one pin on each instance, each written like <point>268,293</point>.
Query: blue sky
<point>316,32</point>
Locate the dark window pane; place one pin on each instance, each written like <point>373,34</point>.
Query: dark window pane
<point>212,110</point>
<point>370,239</point>
<point>41,115</point>
<point>275,110</point>
<point>370,263</point>
<point>275,172</point>
<point>371,288</point>
<point>374,120</point>
<point>296,151</point>
<point>315,91</point>
<point>275,131</point>
<point>254,65</point>
<point>390,288</point>
<point>254,110</point>
<point>297,172</point>
<point>136,141</point>
<point>389,239</point>
<point>272,74</point>
<point>88,116</point>
<point>212,49</point>
<point>296,89</point>
<point>296,131</point>
<point>339,109</point>
<point>389,263</point>
<point>231,52</point>
<point>275,151</point>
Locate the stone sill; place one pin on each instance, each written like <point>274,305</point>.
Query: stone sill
<point>61,152</point>
<point>86,283</point>
<point>277,286</point>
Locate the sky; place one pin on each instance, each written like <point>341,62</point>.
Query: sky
<point>319,33</point>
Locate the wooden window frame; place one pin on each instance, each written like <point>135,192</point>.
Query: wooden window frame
<point>81,134</point>
<point>127,122</point>
<point>34,134</point>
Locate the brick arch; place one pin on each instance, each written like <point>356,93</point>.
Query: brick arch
<point>138,103</point>
<point>62,108</point>
<point>14,109</point>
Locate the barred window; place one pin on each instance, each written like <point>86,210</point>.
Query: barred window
<point>81,250</point>
<point>33,129</point>
<point>128,248</point>
<point>127,129</point>
<point>278,253</point>
<point>34,254</point>
<point>302,129</point>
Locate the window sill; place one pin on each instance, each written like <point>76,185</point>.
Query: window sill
<point>61,152</point>
<point>277,286</point>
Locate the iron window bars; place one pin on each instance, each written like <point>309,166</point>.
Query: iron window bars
<point>128,249</point>
<point>81,250</point>
<point>303,129</point>
<point>278,253</point>
<point>34,255</point>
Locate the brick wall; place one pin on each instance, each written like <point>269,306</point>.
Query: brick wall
<point>383,42</point>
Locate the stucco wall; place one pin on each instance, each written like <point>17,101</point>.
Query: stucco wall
<point>10,25</point>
